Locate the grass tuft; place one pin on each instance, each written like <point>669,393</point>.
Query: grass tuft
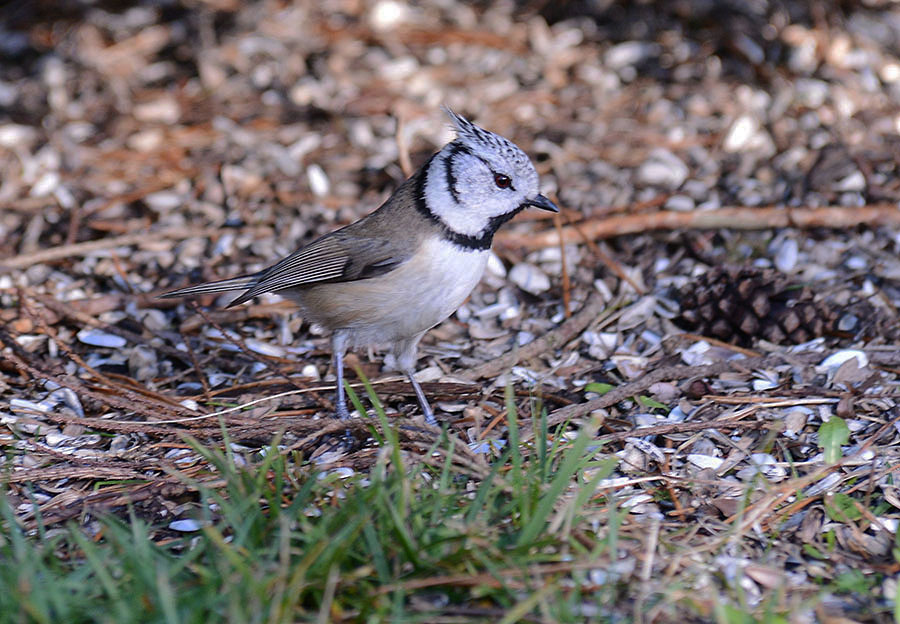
<point>283,541</point>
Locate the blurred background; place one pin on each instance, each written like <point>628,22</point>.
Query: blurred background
<point>237,112</point>
<point>232,132</point>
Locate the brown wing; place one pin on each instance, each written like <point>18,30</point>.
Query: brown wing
<point>372,246</point>
<point>341,256</point>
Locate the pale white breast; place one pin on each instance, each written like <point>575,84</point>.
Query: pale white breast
<point>405,302</point>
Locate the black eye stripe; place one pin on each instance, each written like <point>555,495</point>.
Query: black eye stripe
<point>450,176</point>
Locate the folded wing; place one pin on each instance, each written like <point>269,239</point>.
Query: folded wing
<point>338,257</point>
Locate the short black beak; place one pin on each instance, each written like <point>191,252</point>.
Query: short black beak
<point>543,203</point>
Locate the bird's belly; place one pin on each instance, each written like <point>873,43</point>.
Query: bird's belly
<point>402,303</point>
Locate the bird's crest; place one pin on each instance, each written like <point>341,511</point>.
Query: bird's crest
<point>476,137</point>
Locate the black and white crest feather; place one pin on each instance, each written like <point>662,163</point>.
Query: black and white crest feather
<point>475,137</point>
<point>459,188</point>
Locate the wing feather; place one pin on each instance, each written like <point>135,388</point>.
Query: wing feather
<point>337,257</point>
<point>373,246</point>
<point>235,283</point>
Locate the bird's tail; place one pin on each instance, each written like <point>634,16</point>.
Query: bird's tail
<point>236,283</point>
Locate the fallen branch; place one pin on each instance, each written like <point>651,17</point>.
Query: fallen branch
<point>734,218</point>
<point>628,390</point>
<point>66,508</point>
<point>62,252</point>
<point>54,473</point>
<point>559,336</point>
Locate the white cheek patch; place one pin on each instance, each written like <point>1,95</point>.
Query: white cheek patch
<point>458,217</point>
<point>460,192</point>
<point>443,205</point>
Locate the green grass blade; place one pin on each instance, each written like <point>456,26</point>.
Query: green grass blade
<point>516,477</point>
<point>573,460</point>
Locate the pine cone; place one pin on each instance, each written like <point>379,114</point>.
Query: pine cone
<point>861,320</point>
<point>743,304</point>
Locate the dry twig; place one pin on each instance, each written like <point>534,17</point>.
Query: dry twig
<point>633,388</point>
<point>23,261</point>
<point>552,340</point>
<point>735,218</point>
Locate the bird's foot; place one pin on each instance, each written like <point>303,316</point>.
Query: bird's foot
<point>343,413</point>
<point>430,420</point>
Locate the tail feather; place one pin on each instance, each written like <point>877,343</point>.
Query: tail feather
<point>236,283</point>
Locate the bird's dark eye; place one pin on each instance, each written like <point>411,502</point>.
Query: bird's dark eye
<point>502,181</point>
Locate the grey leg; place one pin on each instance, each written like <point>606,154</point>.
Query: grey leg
<point>423,402</point>
<point>338,348</point>
<point>405,353</point>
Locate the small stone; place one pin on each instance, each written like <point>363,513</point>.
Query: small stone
<point>629,53</point>
<point>154,320</point>
<point>215,380</point>
<point>495,265</point>
<point>73,431</point>
<point>185,526</point>
<point>850,373</point>
<point>524,337</point>
<point>795,421</point>
<point>600,344</point>
<point>663,169</point>
<point>677,414</point>
<point>680,203</point>
<point>429,374</point>
<point>146,141</point>
<point>142,363</point>
<point>55,437</point>
<point>856,263</point>
<point>664,392</point>
<point>318,181</point>
<point>705,461</point>
<point>97,338</point>
<point>16,136</point>
<point>264,348</point>
<point>848,323</point>
<point>22,325</point>
<point>835,360</point>
<point>855,182</point>
<point>118,444</point>
<point>46,184</point>
<point>529,278</point>
<point>388,14</point>
<point>163,110</point>
<point>163,201</point>
<point>697,354</point>
<point>786,256</point>
<point>811,93</point>
<point>740,133</point>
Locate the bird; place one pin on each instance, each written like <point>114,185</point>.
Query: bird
<point>389,277</point>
